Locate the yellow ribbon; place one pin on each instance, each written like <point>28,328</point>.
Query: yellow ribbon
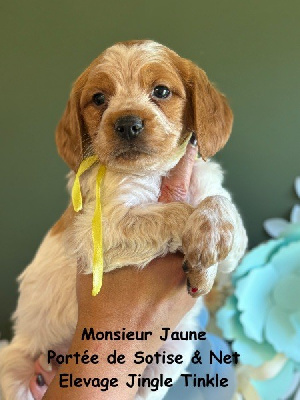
<point>97,237</point>
<point>76,192</point>
<point>96,222</point>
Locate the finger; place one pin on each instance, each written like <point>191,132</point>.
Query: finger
<point>43,375</point>
<point>36,390</point>
<point>175,186</point>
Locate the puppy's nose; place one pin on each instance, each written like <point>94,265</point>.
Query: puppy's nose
<point>129,127</point>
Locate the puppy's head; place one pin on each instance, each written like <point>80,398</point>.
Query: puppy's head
<point>136,104</point>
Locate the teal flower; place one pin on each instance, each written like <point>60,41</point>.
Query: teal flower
<point>276,226</point>
<point>262,317</point>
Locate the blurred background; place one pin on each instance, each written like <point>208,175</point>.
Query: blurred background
<point>250,50</point>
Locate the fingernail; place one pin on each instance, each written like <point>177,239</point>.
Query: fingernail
<point>194,290</point>
<point>193,140</point>
<point>44,364</point>
<point>40,380</point>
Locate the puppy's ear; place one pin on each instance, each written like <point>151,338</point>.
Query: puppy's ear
<point>209,114</point>
<point>70,134</point>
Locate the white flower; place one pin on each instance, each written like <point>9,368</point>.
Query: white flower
<point>276,226</point>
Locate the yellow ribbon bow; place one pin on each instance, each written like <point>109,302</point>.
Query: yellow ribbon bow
<point>97,219</point>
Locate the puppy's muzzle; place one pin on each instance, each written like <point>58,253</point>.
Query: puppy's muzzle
<point>129,127</point>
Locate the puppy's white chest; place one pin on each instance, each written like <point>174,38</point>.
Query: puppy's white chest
<point>120,192</point>
<point>124,239</point>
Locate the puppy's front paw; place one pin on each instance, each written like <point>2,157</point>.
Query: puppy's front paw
<point>207,240</point>
<point>208,236</point>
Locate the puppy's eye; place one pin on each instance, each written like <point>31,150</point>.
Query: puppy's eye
<point>98,99</point>
<point>161,92</point>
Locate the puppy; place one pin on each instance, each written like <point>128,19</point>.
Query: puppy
<point>133,107</point>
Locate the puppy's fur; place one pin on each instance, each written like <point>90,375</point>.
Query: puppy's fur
<point>136,229</point>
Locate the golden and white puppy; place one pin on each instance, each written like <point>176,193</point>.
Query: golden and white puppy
<point>133,107</point>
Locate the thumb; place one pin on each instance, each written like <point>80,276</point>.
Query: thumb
<point>176,184</point>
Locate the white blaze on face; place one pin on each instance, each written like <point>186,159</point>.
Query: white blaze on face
<point>123,64</point>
